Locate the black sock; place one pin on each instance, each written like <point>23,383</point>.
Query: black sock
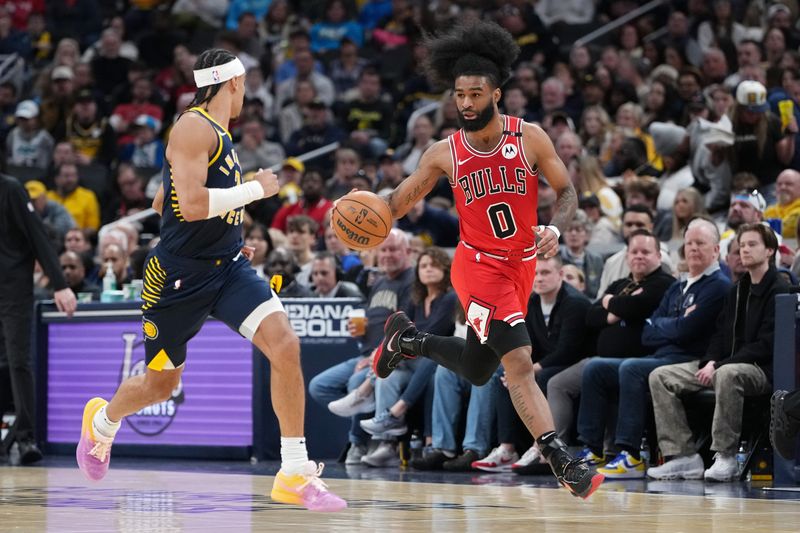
<point>548,443</point>
<point>634,452</point>
<point>444,350</point>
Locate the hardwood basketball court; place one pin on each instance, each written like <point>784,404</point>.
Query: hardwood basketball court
<point>56,498</point>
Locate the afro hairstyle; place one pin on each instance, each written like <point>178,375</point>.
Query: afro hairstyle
<point>477,49</point>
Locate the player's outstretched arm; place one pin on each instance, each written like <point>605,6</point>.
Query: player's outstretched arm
<point>536,140</point>
<point>433,164</point>
<point>190,142</point>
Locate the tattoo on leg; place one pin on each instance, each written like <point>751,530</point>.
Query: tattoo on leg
<point>524,410</point>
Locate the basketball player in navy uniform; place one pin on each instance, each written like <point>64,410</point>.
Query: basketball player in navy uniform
<point>199,269</point>
<point>493,163</point>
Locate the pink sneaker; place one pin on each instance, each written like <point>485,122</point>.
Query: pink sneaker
<point>93,451</point>
<point>306,489</point>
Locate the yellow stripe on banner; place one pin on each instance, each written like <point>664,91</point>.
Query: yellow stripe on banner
<point>159,361</point>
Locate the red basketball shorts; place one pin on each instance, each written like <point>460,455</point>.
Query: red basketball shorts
<point>491,289</point>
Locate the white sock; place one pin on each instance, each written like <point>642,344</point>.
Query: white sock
<point>103,425</point>
<point>293,455</point>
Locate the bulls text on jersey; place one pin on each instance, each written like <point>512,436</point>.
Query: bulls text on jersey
<point>478,184</point>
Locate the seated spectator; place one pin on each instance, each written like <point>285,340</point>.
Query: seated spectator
<point>676,333</point>
<point>575,277</point>
<point>346,68</point>
<point>301,233</point>
<point>318,131</point>
<point>636,217</point>
<point>736,364</point>
<point>433,302</point>
<point>89,132</point>
<point>254,151</point>
<point>293,115</point>
<point>80,202</point>
<point>327,278</point>
<point>312,204</point>
<point>734,262</point>
<point>52,213</point>
<point>367,116</point>
<point>618,317</point>
<point>281,262</point>
<point>573,252</point>
<point>124,115</point>
<point>257,237</point>
<point>410,153</point>
<point>556,323</point>
<point>336,25</point>
<point>747,207</point>
<point>28,144</point>
<point>433,225</point>
<point>390,293</point>
<point>289,178</point>
<point>131,197</point>
<point>670,146</point>
<point>787,208</point>
<point>116,256</point>
<point>75,275</point>
<point>145,149</point>
<point>349,261</point>
<point>304,61</point>
<point>588,179</point>
<point>347,165</point>
<point>688,205</point>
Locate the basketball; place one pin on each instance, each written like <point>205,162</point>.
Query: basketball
<point>362,220</point>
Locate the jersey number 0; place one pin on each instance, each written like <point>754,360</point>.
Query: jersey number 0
<point>502,220</point>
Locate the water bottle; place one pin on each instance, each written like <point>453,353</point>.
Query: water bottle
<point>644,452</point>
<point>416,445</point>
<point>741,456</point>
<point>109,283</point>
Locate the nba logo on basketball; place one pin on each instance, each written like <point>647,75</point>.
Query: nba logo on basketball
<point>154,419</point>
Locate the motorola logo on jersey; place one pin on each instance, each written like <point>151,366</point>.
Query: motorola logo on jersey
<point>478,184</point>
<point>154,419</point>
<point>509,151</point>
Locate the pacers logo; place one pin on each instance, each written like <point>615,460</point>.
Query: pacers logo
<point>509,151</point>
<point>156,418</point>
<point>150,330</point>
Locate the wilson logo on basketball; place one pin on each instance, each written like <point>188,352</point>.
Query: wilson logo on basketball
<point>156,418</point>
<point>352,235</point>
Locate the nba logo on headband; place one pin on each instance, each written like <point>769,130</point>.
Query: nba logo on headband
<point>215,75</point>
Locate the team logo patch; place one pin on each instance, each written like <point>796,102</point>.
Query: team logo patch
<point>509,151</point>
<point>150,330</point>
<point>479,315</point>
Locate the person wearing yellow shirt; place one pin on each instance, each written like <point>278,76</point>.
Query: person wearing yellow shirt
<point>787,209</point>
<point>81,203</point>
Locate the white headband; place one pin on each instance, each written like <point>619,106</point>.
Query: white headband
<point>218,73</point>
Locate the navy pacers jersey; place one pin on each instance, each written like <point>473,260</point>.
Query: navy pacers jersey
<point>211,238</point>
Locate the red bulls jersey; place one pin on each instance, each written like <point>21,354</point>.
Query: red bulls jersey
<point>495,193</point>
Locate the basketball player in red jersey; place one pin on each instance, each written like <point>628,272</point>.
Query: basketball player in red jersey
<point>493,163</point>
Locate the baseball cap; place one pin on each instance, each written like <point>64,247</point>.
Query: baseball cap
<point>62,73</point>
<point>752,95</point>
<point>148,122</point>
<point>35,188</point>
<point>27,109</point>
<point>753,198</point>
<point>774,9</point>
<point>293,162</point>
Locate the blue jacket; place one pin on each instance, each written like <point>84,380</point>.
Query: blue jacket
<point>671,331</point>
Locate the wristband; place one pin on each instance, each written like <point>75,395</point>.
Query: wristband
<point>554,229</point>
<point>220,201</point>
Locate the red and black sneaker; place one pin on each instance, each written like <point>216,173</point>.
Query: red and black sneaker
<point>388,354</point>
<point>579,479</point>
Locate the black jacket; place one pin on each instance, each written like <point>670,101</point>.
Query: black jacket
<point>564,340</point>
<point>624,338</point>
<point>23,239</point>
<point>745,327</point>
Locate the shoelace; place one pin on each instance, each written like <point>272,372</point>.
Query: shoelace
<point>101,449</point>
<point>314,480</point>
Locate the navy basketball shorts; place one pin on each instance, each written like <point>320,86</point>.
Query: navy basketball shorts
<point>179,295</point>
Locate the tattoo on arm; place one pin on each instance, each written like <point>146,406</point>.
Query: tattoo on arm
<point>524,411</point>
<point>408,200</point>
<point>566,204</point>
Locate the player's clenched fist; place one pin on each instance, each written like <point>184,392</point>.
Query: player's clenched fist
<point>269,181</point>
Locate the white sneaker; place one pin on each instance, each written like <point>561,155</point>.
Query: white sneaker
<point>682,467</point>
<point>533,455</point>
<point>382,456</point>
<point>353,404</point>
<point>355,453</point>
<point>499,460</point>
<point>725,468</point>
